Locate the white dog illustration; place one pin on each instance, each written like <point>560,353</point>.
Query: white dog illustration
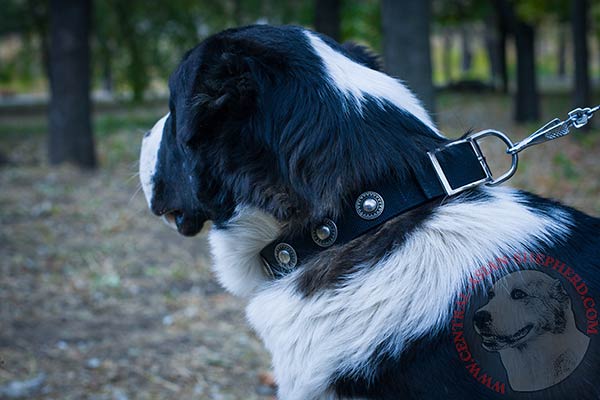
<point>529,321</point>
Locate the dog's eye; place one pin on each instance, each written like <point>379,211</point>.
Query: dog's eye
<point>491,294</point>
<point>517,294</point>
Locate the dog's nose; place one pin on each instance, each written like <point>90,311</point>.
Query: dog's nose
<point>482,318</point>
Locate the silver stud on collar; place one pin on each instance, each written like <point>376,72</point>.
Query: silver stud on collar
<point>286,256</point>
<point>369,205</point>
<point>325,234</point>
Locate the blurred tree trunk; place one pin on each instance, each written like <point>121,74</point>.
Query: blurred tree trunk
<point>467,52</point>
<point>562,52</point>
<point>526,100</point>
<point>527,97</point>
<point>39,16</point>
<point>137,68</point>
<point>493,47</point>
<point>581,93</point>
<point>406,48</point>
<point>502,23</point>
<point>107,76</point>
<point>237,12</point>
<point>70,129</point>
<point>105,53</point>
<point>447,56</point>
<point>327,18</point>
<point>502,36</point>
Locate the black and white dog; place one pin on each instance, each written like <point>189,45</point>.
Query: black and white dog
<point>273,130</point>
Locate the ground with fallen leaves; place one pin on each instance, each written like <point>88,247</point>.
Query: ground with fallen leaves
<point>100,300</point>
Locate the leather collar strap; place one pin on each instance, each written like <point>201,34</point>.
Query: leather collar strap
<point>462,164</point>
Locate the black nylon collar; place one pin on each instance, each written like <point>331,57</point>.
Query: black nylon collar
<point>461,165</point>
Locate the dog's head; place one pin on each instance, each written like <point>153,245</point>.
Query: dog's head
<point>522,305</point>
<point>280,119</point>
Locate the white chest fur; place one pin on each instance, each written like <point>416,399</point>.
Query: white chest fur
<point>404,296</point>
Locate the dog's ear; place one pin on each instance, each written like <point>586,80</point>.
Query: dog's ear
<point>227,87</point>
<point>228,81</point>
<point>558,292</point>
<point>363,55</point>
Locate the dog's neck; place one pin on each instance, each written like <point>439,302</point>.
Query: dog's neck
<point>393,199</point>
<point>392,300</point>
<point>544,360</point>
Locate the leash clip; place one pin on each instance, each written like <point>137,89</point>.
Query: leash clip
<point>555,129</point>
<point>489,179</point>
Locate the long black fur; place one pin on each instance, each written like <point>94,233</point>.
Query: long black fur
<point>234,104</point>
<point>255,121</point>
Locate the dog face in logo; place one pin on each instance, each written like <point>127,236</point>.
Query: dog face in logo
<point>529,321</point>
<point>521,306</point>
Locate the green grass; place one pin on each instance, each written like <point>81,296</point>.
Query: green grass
<point>107,123</point>
<point>29,126</point>
<point>134,119</point>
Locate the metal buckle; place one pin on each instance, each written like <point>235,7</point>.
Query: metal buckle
<point>489,178</point>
